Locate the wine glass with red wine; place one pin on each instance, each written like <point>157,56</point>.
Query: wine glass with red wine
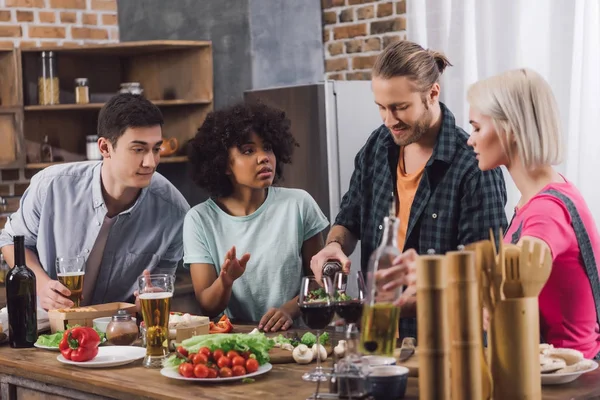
<point>349,307</point>
<point>316,304</point>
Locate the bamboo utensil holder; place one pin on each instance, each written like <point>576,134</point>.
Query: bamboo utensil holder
<point>432,328</point>
<point>465,326</point>
<point>514,345</point>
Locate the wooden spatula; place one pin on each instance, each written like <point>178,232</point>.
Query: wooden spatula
<point>536,266</point>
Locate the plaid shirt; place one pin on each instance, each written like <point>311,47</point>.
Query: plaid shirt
<point>456,203</point>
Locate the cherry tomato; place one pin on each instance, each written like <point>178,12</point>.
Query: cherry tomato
<point>201,370</point>
<point>212,373</point>
<point>218,353</point>
<point>182,351</point>
<point>224,362</point>
<point>245,354</point>
<point>238,370</point>
<point>187,370</point>
<point>232,353</point>
<point>238,360</point>
<point>251,365</point>
<point>225,372</point>
<point>205,351</point>
<point>200,359</point>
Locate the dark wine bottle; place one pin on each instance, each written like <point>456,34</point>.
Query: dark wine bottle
<point>21,300</point>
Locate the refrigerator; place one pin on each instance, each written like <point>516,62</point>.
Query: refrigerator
<point>331,121</point>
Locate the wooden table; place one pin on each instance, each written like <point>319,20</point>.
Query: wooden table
<point>36,374</point>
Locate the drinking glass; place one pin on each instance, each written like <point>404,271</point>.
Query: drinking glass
<point>155,294</point>
<point>70,272</point>
<point>348,307</point>
<point>316,304</point>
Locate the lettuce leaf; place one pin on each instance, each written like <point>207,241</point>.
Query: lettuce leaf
<point>257,343</point>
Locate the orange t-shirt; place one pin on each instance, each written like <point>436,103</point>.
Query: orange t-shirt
<point>406,187</point>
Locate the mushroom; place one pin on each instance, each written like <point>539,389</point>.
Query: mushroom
<point>302,354</point>
<point>287,346</point>
<point>321,351</point>
<point>340,349</point>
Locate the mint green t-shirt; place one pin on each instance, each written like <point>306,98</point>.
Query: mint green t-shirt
<point>273,235</point>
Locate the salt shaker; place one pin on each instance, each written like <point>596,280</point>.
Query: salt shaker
<point>122,329</point>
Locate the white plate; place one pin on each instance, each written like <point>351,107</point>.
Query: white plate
<point>109,356</point>
<point>170,373</point>
<point>559,379</point>
<point>374,361</point>
<point>39,346</point>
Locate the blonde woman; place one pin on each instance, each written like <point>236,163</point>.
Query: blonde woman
<point>515,123</point>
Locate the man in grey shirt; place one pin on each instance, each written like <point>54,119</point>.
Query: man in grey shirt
<point>119,214</point>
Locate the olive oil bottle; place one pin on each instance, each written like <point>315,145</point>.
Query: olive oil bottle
<point>380,315</point>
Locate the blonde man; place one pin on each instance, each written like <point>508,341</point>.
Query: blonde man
<point>421,156</point>
<point>515,123</point>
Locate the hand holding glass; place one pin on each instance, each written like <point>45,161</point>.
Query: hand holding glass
<point>70,272</point>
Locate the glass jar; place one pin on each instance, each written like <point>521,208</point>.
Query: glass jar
<point>92,150</point>
<point>48,80</point>
<point>82,91</point>
<point>122,329</point>
<point>131,87</point>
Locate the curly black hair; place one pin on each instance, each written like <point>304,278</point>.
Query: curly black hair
<point>232,127</point>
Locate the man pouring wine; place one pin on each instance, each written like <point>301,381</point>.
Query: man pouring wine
<point>420,156</point>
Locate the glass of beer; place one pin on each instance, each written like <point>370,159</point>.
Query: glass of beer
<point>70,272</point>
<point>155,293</point>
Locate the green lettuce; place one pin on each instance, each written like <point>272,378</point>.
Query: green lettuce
<point>257,343</point>
<point>53,339</point>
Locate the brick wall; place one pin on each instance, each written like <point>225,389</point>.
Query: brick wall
<point>58,22</point>
<point>355,31</point>
<point>38,23</point>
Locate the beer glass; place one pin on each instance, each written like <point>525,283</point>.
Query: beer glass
<point>70,272</point>
<point>155,294</point>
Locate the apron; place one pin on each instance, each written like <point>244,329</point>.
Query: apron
<point>585,248</point>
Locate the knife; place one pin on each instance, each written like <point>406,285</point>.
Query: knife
<point>407,349</point>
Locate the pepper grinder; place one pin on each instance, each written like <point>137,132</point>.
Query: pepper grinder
<point>465,325</point>
<point>432,327</point>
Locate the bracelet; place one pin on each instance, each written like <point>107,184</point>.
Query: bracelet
<point>336,241</point>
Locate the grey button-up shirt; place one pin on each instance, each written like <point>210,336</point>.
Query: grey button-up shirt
<point>61,213</point>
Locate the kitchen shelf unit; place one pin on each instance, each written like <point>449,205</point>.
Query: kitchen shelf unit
<point>177,76</point>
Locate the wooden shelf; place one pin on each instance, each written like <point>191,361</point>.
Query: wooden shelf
<point>126,48</point>
<point>97,106</point>
<point>176,75</point>
<point>163,160</point>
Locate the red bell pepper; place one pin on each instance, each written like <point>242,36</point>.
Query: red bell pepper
<point>223,326</point>
<point>80,344</point>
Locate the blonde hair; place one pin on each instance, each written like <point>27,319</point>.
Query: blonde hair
<point>521,103</point>
<point>405,58</point>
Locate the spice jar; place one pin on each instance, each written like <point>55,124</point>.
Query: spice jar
<point>82,91</point>
<point>48,80</point>
<point>92,150</point>
<point>131,87</point>
<point>122,329</point>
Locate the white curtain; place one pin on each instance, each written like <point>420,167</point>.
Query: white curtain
<point>560,39</point>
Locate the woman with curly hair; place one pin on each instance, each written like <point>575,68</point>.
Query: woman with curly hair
<point>237,156</point>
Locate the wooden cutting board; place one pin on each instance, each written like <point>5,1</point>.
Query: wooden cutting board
<point>412,363</point>
<point>280,356</point>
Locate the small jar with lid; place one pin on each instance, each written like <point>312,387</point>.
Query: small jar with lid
<point>122,329</point>
<point>82,91</point>
<point>131,87</point>
<point>92,150</point>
